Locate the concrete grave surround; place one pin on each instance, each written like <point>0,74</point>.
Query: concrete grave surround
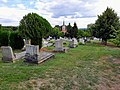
<point>33,55</point>
<point>9,56</point>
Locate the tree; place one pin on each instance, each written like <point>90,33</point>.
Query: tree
<point>80,34</point>
<point>56,33</point>
<point>4,38</point>
<point>107,25</point>
<point>116,41</point>
<point>34,27</point>
<point>74,30</point>
<point>0,26</point>
<point>69,30</point>
<point>16,41</point>
<point>90,28</point>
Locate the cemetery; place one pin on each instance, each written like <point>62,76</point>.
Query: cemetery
<point>38,56</point>
<point>90,58</point>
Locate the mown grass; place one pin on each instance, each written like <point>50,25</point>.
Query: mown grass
<point>87,67</point>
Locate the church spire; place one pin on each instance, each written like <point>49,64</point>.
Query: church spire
<point>63,23</point>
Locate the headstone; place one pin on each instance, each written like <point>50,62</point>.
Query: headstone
<point>25,43</point>
<point>82,40</point>
<point>44,43</point>
<point>33,55</point>
<point>59,46</point>
<point>49,38</point>
<point>7,54</point>
<point>96,39</point>
<point>73,43</point>
<point>59,43</point>
<point>28,42</point>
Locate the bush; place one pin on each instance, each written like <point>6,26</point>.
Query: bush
<point>16,41</point>
<point>115,41</point>
<point>80,43</point>
<point>34,27</point>
<point>4,38</point>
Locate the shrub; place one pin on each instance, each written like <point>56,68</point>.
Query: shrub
<point>16,41</point>
<point>4,38</point>
<point>115,41</point>
<point>34,27</point>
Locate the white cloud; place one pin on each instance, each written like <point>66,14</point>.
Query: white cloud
<point>5,1</point>
<point>31,3</point>
<point>13,14</point>
<point>21,6</point>
<point>82,12</point>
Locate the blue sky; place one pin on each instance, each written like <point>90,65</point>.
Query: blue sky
<point>82,12</point>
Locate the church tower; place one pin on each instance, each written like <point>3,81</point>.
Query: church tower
<point>64,30</point>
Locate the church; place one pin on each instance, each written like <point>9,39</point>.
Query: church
<point>63,28</point>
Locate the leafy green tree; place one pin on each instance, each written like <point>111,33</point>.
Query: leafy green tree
<point>34,27</point>
<point>0,26</point>
<point>90,28</point>
<point>4,38</point>
<point>16,41</point>
<point>69,30</point>
<point>116,41</point>
<point>87,33</point>
<point>80,33</point>
<point>56,33</point>
<point>74,30</point>
<point>106,25</point>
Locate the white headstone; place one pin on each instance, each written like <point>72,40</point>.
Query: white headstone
<point>7,53</point>
<point>81,40</point>
<point>32,53</point>
<point>73,43</point>
<point>25,43</point>
<point>59,43</point>
<point>32,49</point>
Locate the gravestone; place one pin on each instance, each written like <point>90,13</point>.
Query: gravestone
<point>82,41</point>
<point>25,43</point>
<point>33,55</point>
<point>73,43</point>
<point>44,43</point>
<point>59,46</point>
<point>7,54</point>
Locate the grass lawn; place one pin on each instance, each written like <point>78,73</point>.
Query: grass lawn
<point>87,67</point>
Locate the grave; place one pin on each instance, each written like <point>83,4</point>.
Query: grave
<point>25,43</point>
<point>82,40</point>
<point>44,43</point>
<point>9,56</point>
<point>33,55</point>
<point>59,46</point>
<point>73,43</point>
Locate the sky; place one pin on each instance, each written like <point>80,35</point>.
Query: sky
<point>83,12</point>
